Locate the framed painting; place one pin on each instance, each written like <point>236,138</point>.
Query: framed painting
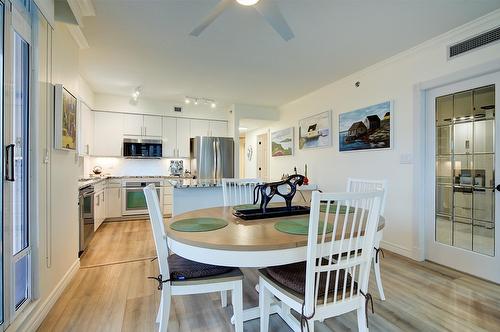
<point>368,128</point>
<point>282,142</point>
<point>315,131</point>
<point>65,105</point>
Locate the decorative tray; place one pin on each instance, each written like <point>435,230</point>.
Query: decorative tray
<point>271,212</point>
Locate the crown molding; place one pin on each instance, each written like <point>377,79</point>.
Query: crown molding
<point>77,34</point>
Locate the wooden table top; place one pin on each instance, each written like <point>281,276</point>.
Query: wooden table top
<point>239,234</point>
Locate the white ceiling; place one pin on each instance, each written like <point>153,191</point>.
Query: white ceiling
<point>239,58</point>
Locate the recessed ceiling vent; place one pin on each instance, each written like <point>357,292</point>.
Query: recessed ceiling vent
<point>474,42</point>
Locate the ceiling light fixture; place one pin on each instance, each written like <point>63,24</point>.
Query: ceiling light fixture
<point>247,2</point>
<point>137,93</point>
<point>200,100</point>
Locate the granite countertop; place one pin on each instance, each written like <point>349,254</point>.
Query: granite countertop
<point>194,183</point>
<point>84,182</point>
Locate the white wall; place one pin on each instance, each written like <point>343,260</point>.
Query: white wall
<point>393,79</point>
<point>115,103</point>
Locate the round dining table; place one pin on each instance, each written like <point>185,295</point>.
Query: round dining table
<point>244,243</point>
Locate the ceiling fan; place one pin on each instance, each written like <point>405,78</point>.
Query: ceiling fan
<point>266,8</point>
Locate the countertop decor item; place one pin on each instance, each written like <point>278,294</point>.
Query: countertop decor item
<point>367,128</point>
<point>97,170</point>
<point>65,105</point>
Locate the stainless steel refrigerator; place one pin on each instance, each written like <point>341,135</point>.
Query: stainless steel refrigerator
<point>212,157</point>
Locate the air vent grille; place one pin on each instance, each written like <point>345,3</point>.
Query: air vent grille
<point>177,109</point>
<point>474,42</point>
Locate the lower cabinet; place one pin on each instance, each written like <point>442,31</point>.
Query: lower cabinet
<point>114,202</point>
<point>99,208</point>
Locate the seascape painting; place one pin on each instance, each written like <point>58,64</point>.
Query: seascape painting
<point>367,128</point>
<point>282,142</point>
<point>65,119</point>
<point>315,131</point>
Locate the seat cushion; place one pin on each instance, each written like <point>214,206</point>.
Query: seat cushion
<point>293,276</point>
<point>182,269</point>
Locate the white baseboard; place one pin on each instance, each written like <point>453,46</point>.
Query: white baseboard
<point>36,317</point>
<point>398,249</point>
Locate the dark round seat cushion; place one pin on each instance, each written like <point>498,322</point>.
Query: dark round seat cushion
<point>182,269</point>
<point>293,276</point>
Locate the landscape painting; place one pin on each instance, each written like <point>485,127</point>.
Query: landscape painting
<point>315,131</point>
<point>367,128</point>
<point>282,142</point>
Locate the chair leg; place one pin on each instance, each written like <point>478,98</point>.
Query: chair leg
<point>265,306</point>
<point>223,298</point>
<point>378,278</point>
<point>237,301</point>
<point>164,310</point>
<point>362,319</point>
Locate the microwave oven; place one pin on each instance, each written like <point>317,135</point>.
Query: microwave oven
<point>142,148</point>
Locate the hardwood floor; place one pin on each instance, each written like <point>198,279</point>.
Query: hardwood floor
<point>111,293</point>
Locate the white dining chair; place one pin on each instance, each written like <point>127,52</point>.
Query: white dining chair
<point>175,272</point>
<point>238,191</point>
<point>322,287</point>
<point>363,185</point>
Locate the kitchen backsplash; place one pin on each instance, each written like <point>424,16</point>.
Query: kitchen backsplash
<point>122,166</point>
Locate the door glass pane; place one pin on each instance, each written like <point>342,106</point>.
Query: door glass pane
<point>136,200</point>
<point>21,95</point>
<point>484,102</point>
<point>465,148</point>
<point>21,275</point>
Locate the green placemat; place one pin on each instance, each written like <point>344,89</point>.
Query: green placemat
<point>333,208</point>
<point>198,224</point>
<point>244,207</point>
<point>299,226</point>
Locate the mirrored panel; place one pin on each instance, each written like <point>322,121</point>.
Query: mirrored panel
<point>484,102</point>
<point>484,205</point>
<point>444,229</point>
<point>462,106</point>
<point>444,110</point>
<point>483,238</point>
<point>484,175</point>
<point>462,233</point>
<point>443,140</point>
<point>462,138</point>
<point>484,136</point>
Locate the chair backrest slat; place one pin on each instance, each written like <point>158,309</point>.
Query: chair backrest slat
<point>160,237</point>
<point>365,185</point>
<point>238,191</point>
<point>334,259</point>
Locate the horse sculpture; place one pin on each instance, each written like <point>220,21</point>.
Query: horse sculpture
<point>267,191</point>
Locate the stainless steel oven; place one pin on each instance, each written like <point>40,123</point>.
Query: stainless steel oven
<point>86,217</point>
<point>134,201</point>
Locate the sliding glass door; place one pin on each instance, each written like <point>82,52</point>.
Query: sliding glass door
<point>2,11</point>
<point>18,172</point>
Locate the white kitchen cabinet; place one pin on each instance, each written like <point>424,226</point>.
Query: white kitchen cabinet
<point>86,130</point>
<point>99,208</point>
<point>108,134</point>
<point>152,125</point>
<point>183,137</point>
<point>169,148</point>
<point>113,202</point>
<point>200,127</point>
<point>218,128</point>
<point>133,124</point>
<point>142,125</point>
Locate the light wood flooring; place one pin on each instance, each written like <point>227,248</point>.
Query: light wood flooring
<point>111,293</point>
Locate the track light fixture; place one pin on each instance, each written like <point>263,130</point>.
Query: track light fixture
<point>200,100</point>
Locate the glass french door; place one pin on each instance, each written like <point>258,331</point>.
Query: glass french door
<point>461,162</point>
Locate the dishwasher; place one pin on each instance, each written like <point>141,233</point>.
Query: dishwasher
<point>86,217</point>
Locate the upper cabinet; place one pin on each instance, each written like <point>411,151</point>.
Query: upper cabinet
<point>218,128</point>
<point>183,138</point>
<point>169,148</point>
<point>200,128</point>
<point>142,125</point>
<point>208,128</point>
<point>108,134</point>
<point>86,130</point>
<point>152,125</point>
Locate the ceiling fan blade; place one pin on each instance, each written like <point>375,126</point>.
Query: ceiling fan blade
<point>273,16</point>
<point>219,8</point>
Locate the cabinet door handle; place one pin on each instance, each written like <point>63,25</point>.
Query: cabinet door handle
<point>145,131</point>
